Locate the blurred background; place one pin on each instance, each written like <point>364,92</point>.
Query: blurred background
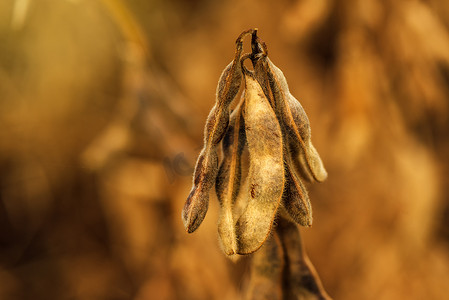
<point>102,108</point>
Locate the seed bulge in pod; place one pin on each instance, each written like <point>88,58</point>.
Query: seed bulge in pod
<point>266,171</point>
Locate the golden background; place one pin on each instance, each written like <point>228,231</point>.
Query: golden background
<point>102,105</point>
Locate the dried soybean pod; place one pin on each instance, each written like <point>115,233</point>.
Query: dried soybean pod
<point>295,199</point>
<point>197,202</point>
<point>299,162</point>
<point>206,167</point>
<point>266,271</point>
<point>266,171</point>
<point>300,280</point>
<point>227,184</point>
<point>298,124</point>
<point>290,112</point>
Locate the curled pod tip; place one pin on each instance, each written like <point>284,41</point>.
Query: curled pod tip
<point>231,77</point>
<point>315,162</point>
<point>194,210</point>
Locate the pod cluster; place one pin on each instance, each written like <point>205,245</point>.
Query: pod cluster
<point>271,124</point>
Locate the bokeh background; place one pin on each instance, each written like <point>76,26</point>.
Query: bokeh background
<point>102,104</point>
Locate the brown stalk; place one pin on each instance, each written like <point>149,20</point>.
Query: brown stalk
<point>300,280</point>
<point>266,271</point>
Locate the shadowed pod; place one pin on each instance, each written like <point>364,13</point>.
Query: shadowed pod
<point>300,280</point>
<point>206,167</point>
<point>228,181</point>
<point>295,200</point>
<point>266,272</point>
<point>280,269</point>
